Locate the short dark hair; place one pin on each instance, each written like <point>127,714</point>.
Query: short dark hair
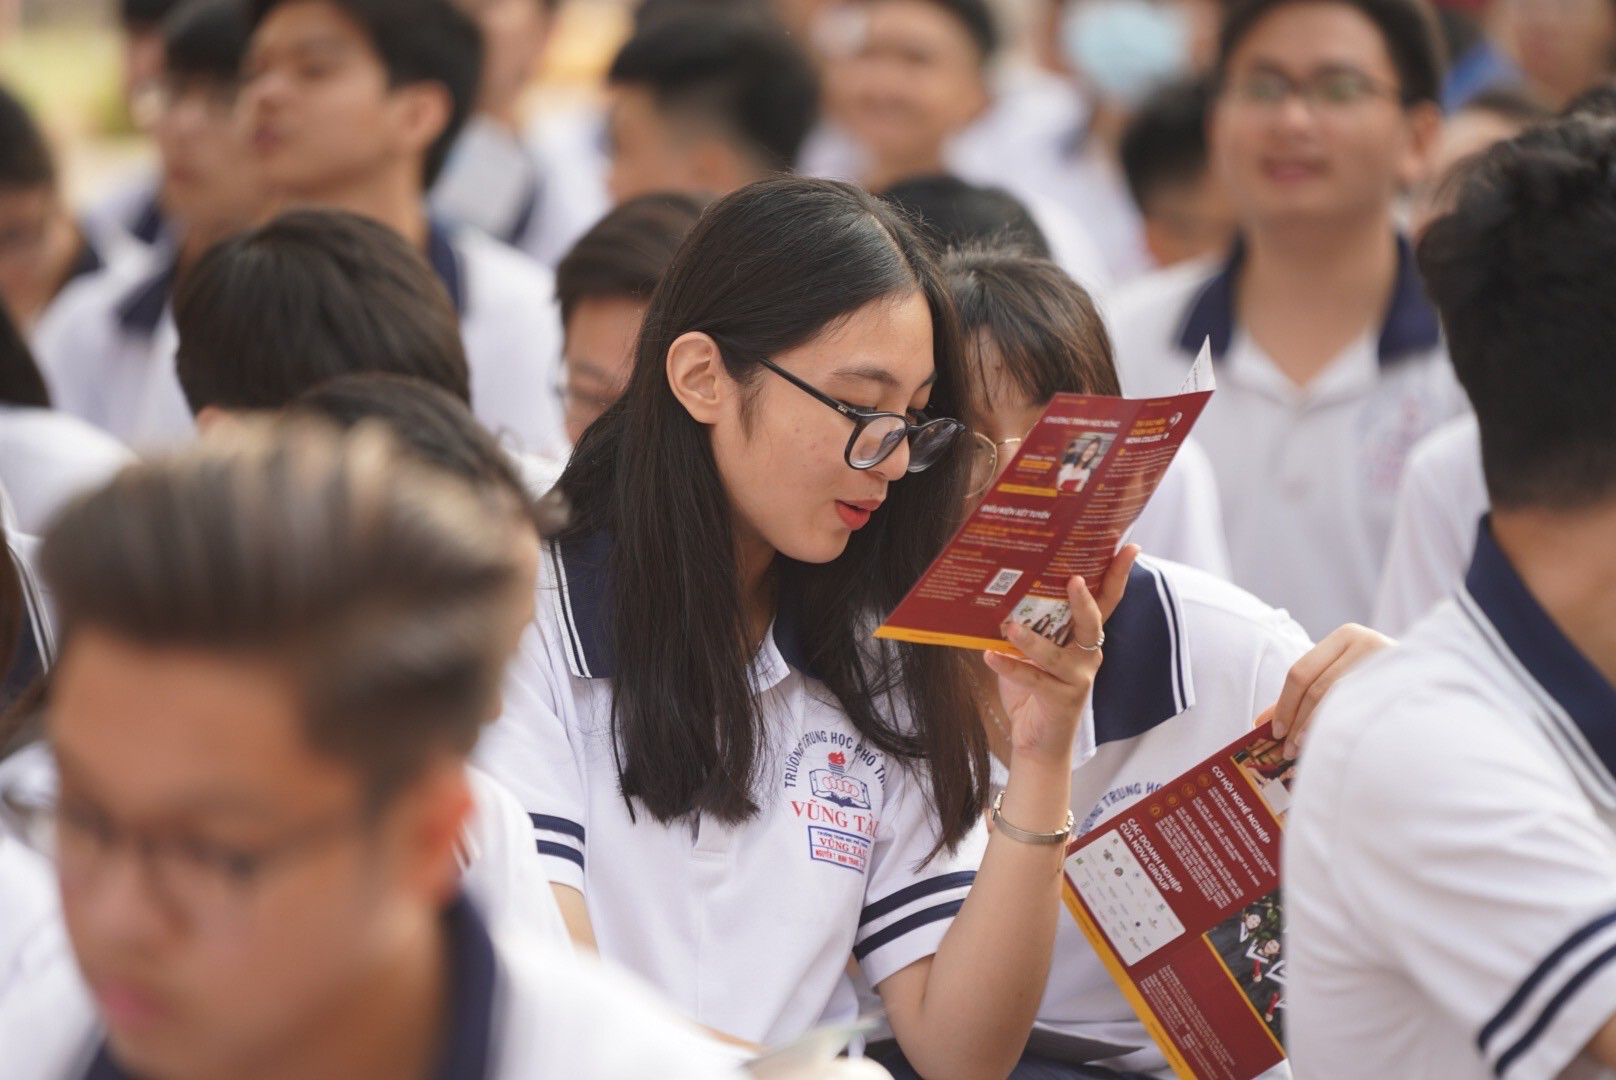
<point>1407,28</point>
<point>1044,324</point>
<point>1522,269</point>
<point>625,252</point>
<point>206,39</point>
<point>312,295</point>
<point>437,428</point>
<point>20,381</point>
<point>950,212</point>
<point>976,17</point>
<point>743,75</point>
<point>380,584</point>
<point>25,156</point>
<point>418,41</point>
<point>144,15</point>
<point>1164,144</point>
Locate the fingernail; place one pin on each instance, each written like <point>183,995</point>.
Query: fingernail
<point>1082,582</point>
<point>1016,631</point>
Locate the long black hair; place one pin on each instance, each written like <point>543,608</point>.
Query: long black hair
<point>767,269</point>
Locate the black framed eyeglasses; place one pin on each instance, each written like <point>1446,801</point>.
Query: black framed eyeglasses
<point>877,434</point>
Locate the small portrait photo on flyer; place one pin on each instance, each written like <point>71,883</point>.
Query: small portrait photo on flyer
<point>1045,615</point>
<point>1080,459</point>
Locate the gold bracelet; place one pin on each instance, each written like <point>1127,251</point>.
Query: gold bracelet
<point>1026,837</point>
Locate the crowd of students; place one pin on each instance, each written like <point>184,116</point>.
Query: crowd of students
<point>442,549</point>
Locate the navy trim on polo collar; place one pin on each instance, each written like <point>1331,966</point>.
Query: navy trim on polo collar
<point>150,224</point>
<point>584,592</point>
<point>1145,680</point>
<point>1410,325</point>
<point>473,976</point>
<point>1542,648</point>
<point>445,260</point>
<point>142,307</point>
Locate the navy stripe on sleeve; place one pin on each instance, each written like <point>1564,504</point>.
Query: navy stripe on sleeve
<point>911,893</point>
<point>905,925</point>
<point>560,851</point>
<point>1536,978</point>
<point>1524,1044</point>
<point>558,825</point>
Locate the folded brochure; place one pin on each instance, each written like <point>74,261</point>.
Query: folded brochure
<point>1061,507</point>
<point>1179,895</point>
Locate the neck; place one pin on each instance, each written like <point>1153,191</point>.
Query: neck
<point>755,563</point>
<point>1564,559</point>
<point>1306,292</point>
<point>389,1022</point>
<point>392,197</point>
<point>888,171</point>
<point>1105,127</point>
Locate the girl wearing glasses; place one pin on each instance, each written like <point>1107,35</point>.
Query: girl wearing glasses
<point>736,788</point>
<point>1194,661</point>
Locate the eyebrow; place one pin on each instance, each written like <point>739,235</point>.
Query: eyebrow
<point>222,802</point>
<point>879,376</point>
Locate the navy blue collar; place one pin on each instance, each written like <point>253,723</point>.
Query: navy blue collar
<point>1410,326</point>
<point>445,260</point>
<point>473,974</point>
<point>1542,648</point>
<point>150,224</point>
<point>1144,681</point>
<point>142,307</point>
<point>583,596</point>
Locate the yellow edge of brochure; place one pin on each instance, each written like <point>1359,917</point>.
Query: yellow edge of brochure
<point>1102,948</point>
<point>937,637</point>
<point>1025,489</point>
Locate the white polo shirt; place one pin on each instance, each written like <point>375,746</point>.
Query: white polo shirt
<point>48,456</point>
<point>518,1009</point>
<point>1308,476</point>
<point>1190,662</point>
<point>1183,521</point>
<point>1451,857</point>
<point>748,928</point>
<point>1444,494</point>
<point>107,345</point>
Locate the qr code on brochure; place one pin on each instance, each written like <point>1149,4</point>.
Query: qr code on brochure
<point>1003,582</point>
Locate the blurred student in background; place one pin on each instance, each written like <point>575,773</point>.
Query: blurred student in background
<point>107,345</point>
<point>1330,359</point>
<point>704,103</point>
<point>1183,208</point>
<point>42,248</point>
<point>506,175</point>
<point>355,104</point>
<point>604,287</point>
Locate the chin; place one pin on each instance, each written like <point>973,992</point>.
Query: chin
<point>823,548</point>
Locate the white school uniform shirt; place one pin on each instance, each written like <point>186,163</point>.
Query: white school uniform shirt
<point>47,457</point>
<point>106,348</point>
<point>519,1009</point>
<point>1444,494</point>
<point>1076,173</point>
<point>538,191</point>
<point>748,928</point>
<point>107,345</point>
<point>1183,521</point>
<point>1190,662</point>
<point>1308,476</point>
<point>1451,858</point>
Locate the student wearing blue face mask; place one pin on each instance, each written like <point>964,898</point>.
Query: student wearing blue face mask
<point>1119,52</point>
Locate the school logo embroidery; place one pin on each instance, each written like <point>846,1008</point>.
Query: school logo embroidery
<point>835,786</point>
<point>838,848</point>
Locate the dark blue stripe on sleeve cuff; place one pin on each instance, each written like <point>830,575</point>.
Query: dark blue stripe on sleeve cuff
<point>557,825</point>
<point>904,925</point>
<point>1551,1010</point>
<point>1539,973</point>
<point>560,851</point>
<point>911,893</point>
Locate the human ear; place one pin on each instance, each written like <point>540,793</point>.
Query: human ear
<point>697,377</point>
<point>424,110</point>
<point>1424,127</point>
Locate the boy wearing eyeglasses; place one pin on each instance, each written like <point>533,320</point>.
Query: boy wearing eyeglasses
<point>1330,361</point>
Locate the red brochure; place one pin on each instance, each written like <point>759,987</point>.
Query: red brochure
<point>1074,489</point>
<point>1179,895</point>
